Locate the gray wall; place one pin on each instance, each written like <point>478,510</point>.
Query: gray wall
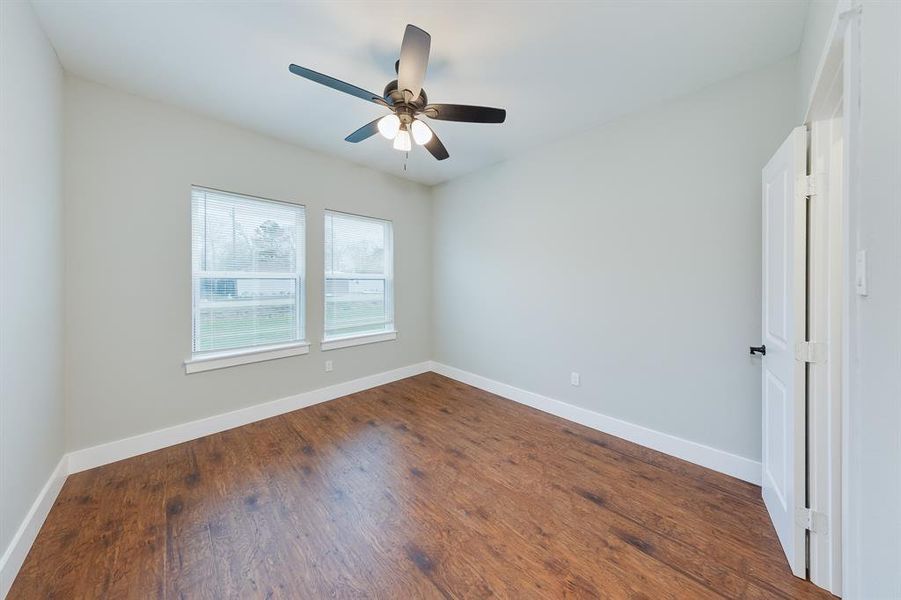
<point>630,254</point>
<point>129,166</point>
<point>31,265</point>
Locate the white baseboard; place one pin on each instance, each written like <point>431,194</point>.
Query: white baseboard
<point>88,458</point>
<point>699,454</point>
<point>18,548</point>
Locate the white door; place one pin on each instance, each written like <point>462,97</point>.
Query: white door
<point>784,327</point>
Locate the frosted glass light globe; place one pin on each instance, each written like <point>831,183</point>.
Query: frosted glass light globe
<point>421,132</point>
<point>402,141</point>
<point>389,126</point>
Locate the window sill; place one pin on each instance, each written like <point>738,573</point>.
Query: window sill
<point>221,360</point>
<point>358,340</point>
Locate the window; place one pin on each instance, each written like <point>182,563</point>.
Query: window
<point>248,273</point>
<point>359,286</point>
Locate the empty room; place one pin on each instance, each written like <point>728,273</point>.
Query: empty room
<point>394,299</point>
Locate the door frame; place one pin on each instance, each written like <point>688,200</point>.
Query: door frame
<point>824,329</point>
<point>835,93</point>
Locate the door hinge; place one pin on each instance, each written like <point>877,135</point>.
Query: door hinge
<point>813,521</point>
<point>813,185</point>
<point>810,352</point>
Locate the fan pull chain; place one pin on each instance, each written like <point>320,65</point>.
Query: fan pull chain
<point>406,158</point>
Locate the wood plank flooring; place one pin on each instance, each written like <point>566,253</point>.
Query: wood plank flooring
<point>423,488</point>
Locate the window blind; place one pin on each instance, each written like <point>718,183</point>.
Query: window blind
<point>248,271</point>
<point>359,280</point>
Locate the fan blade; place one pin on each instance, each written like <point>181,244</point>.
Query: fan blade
<point>366,131</point>
<point>337,84</point>
<point>462,112</point>
<point>435,146</point>
<point>414,59</point>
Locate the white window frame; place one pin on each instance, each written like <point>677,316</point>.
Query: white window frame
<point>369,337</point>
<point>218,359</point>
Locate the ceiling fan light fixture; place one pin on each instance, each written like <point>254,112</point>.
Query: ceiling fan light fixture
<point>389,126</point>
<point>406,98</point>
<point>402,141</point>
<point>422,134</point>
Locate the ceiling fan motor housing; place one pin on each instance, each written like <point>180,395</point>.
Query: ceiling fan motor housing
<point>397,97</point>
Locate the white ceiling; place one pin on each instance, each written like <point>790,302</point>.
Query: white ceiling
<point>556,67</point>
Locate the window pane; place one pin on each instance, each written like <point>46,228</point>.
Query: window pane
<point>235,313</point>
<point>242,234</point>
<point>247,257</point>
<point>354,246</point>
<point>358,277</point>
<point>355,305</point>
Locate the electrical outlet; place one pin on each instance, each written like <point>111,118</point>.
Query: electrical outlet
<point>574,378</point>
<point>328,366</point>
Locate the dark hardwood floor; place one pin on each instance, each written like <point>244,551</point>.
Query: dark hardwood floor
<point>423,488</point>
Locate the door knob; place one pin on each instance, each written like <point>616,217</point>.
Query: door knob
<point>758,350</point>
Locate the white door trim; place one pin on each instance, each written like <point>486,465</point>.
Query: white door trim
<point>850,583</point>
<point>825,290</point>
<point>834,99</point>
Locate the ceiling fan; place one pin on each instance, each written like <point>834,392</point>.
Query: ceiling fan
<point>407,101</point>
